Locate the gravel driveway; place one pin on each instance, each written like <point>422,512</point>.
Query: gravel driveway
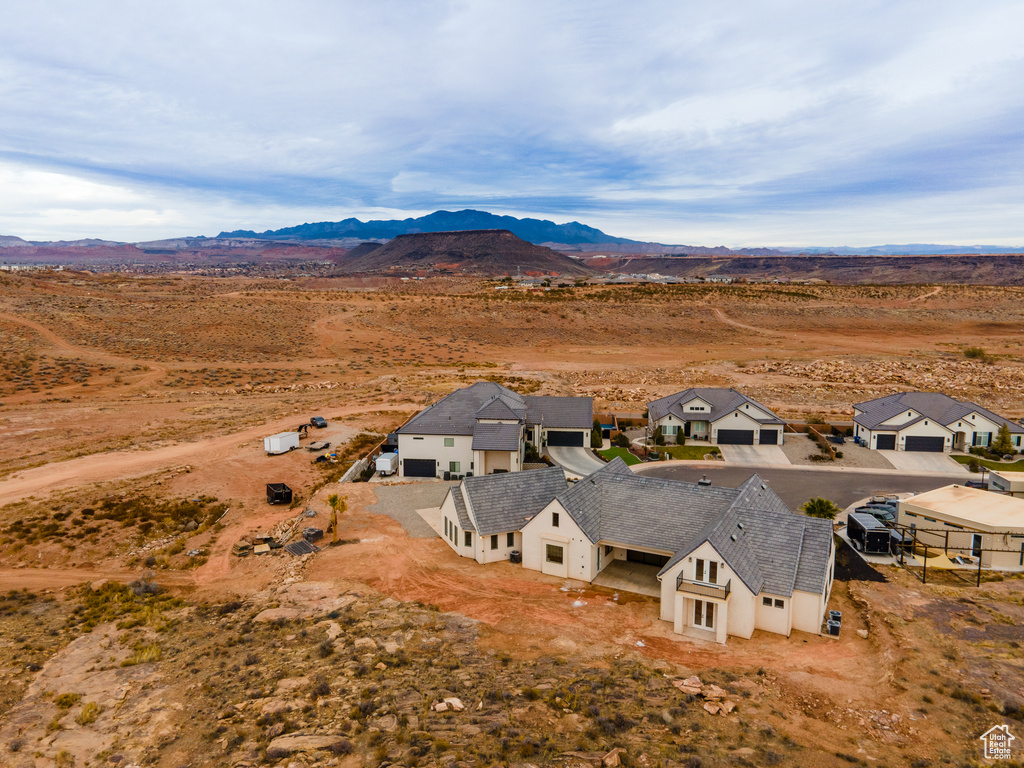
<point>400,502</point>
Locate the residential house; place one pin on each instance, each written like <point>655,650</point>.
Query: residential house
<point>725,561</point>
<point>483,429</point>
<point>722,416</point>
<point>928,421</point>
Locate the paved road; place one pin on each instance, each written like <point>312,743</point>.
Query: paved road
<point>796,485</point>
<point>576,461</point>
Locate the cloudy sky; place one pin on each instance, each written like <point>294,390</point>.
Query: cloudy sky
<point>706,123</point>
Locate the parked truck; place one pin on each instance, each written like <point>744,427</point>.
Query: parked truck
<point>282,442</point>
<point>386,464</point>
<point>868,534</point>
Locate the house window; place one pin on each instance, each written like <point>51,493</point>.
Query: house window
<point>494,541</point>
<point>453,466</point>
<point>554,519</point>
<point>608,549</point>
<point>510,539</point>
<point>417,438</point>
<point>446,527</point>
<point>468,538</point>
<point>449,442</point>
<point>553,554</point>
<point>670,431</point>
<point>766,601</point>
<point>780,603</point>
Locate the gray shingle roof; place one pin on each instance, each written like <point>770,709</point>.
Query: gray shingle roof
<point>769,547</point>
<point>460,508</point>
<point>497,437</point>
<point>507,501</point>
<point>560,412</point>
<point>722,402</point>
<point>456,413</point>
<point>933,405</point>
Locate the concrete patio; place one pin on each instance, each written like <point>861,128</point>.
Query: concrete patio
<point>624,576</point>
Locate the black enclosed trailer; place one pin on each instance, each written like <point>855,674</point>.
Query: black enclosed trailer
<point>278,493</point>
<point>867,534</point>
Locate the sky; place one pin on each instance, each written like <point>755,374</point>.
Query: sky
<point>792,123</point>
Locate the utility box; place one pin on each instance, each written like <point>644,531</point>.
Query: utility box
<point>282,442</point>
<point>278,493</point>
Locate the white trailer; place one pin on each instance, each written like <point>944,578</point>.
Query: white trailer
<point>386,464</point>
<point>282,442</point>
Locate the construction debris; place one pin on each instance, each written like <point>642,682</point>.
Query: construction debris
<point>716,700</point>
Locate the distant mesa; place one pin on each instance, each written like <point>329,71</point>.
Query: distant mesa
<point>531,230</point>
<point>479,252</point>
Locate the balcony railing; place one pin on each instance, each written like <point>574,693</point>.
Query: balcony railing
<point>702,588</point>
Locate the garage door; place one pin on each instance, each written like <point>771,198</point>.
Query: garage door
<point>419,467</point>
<point>929,444</point>
<point>563,437</point>
<point>768,437</point>
<point>885,442</point>
<point>735,437</point>
<point>647,558</point>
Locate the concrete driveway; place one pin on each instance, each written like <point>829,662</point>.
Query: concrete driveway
<point>755,455</point>
<point>917,461</point>
<point>576,461</point>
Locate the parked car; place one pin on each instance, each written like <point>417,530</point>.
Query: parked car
<point>881,515</point>
<point>318,421</point>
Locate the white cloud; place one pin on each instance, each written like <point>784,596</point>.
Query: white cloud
<point>163,116</point>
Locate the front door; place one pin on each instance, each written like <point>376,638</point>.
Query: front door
<point>704,614</point>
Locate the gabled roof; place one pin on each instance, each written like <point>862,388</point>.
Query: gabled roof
<point>497,437</point>
<point>499,408</point>
<point>932,405</point>
<point>507,501</point>
<point>560,412</point>
<point>456,413</point>
<point>721,402</point>
<point>465,521</point>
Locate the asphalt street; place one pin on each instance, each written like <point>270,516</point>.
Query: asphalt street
<point>796,485</point>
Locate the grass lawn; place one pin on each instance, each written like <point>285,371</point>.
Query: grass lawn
<point>687,452</point>
<point>622,453</point>
<point>1016,466</point>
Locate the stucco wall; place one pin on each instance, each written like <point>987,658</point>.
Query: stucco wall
<point>737,420</point>
<point>808,612</point>
<point>579,560</point>
<point>770,618</point>
<point>432,447</point>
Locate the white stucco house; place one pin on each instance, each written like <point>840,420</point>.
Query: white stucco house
<point>722,416</point>
<point>483,429</point>
<point>928,421</point>
<point>727,560</point>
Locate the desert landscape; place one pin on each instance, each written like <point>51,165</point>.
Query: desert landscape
<point>132,411</point>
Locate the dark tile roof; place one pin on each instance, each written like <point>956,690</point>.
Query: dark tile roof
<point>721,402</point>
<point>507,501</point>
<point>500,408</point>
<point>460,508</point>
<point>933,405</point>
<point>497,437</point>
<point>456,413</point>
<point>560,412</point>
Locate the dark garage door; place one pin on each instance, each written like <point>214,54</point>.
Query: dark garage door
<point>768,437</point>
<point>735,437</point>
<point>562,437</point>
<point>419,467</point>
<point>647,558</point>
<point>885,442</point>
<point>929,444</point>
